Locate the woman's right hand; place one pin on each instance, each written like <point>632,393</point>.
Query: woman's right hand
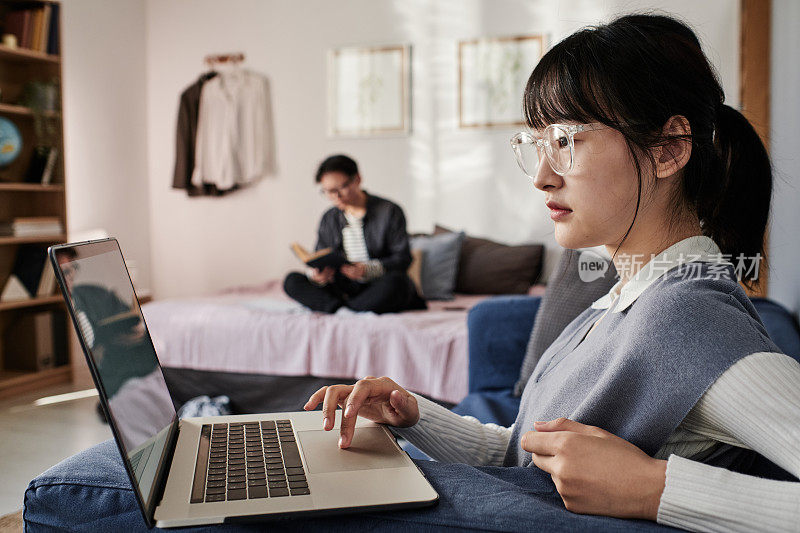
<point>322,276</point>
<point>378,399</point>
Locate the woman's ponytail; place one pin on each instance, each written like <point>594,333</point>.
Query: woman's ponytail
<point>734,210</point>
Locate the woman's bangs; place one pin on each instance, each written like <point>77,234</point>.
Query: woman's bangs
<point>563,88</point>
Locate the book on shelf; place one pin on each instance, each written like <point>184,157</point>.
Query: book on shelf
<point>42,165</point>
<point>320,259</point>
<point>29,265</point>
<point>36,28</point>
<point>35,341</point>
<point>32,275</point>
<point>47,282</point>
<point>32,227</point>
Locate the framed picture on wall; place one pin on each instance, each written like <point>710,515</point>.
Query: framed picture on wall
<point>492,74</point>
<point>369,90</point>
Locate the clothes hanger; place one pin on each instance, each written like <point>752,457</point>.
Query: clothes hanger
<point>231,61</point>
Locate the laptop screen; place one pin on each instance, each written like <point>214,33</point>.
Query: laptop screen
<point>110,323</point>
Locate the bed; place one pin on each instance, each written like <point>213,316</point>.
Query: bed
<point>254,344</point>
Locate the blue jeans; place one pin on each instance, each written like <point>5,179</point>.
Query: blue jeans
<point>91,492</point>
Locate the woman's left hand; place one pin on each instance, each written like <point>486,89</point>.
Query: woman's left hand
<point>596,472</point>
<point>354,271</point>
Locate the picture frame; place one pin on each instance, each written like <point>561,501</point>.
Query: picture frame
<point>369,91</point>
<point>492,74</point>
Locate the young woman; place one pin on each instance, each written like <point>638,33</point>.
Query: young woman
<point>371,232</point>
<point>652,402</point>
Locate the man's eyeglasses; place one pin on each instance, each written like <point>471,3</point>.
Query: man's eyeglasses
<point>337,191</point>
<point>558,144</point>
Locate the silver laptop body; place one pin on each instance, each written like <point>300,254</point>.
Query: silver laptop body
<point>194,471</point>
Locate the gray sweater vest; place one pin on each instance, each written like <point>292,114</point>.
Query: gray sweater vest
<point>641,370</point>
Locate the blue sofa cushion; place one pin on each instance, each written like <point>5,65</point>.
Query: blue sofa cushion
<point>90,492</point>
<point>491,407</point>
<point>498,333</point>
<point>781,326</point>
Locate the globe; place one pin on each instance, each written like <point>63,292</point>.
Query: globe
<point>10,142</point>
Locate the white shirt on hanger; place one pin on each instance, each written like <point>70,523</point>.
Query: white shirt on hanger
<point>234,130</point>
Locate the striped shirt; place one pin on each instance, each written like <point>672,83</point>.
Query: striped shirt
<point>355,247</point>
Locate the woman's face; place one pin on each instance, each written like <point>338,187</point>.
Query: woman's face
<point>340,189</point>
<point>598,194</point>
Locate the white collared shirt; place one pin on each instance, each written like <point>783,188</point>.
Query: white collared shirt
<point>696,248</point>
<point>234,144</point>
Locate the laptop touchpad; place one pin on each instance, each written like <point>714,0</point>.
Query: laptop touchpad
<point>371,449</point>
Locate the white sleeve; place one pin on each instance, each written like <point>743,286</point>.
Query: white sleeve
<point>374,270</point>
<point>450,438</point>
<point>755,404</point>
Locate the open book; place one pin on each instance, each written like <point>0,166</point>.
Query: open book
<point>327,257</point>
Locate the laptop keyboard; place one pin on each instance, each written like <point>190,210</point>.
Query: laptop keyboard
<point>248,460</point>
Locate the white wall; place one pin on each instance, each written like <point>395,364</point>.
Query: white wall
<point>104,124</point>
<point>784,252</point>
<point>463,179</point>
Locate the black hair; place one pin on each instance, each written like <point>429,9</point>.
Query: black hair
<point>338,163</point>
<point>632,75</point>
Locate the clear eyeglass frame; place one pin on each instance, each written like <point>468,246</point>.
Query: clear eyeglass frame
<point>557,143</point>
<point>330,193</point>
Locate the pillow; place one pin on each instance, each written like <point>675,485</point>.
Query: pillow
<point>566,297</point>
<point>488,267</point>
<point>439,263</point>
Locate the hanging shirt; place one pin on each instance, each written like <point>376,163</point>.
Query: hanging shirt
<point>234,131</point>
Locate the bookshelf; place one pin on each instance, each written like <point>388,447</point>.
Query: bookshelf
<point>30,98</point>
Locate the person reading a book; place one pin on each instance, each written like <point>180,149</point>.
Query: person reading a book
<point>367,248</point>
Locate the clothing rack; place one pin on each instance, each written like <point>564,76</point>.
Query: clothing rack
<point>219,59</point>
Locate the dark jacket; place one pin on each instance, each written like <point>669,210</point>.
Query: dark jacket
<point>384,233</point>
<point>185,141</point>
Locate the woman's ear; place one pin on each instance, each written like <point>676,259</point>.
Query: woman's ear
<point>675,152</point>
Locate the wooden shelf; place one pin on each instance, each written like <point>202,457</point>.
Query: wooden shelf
<point>33,302</point>
<point>13,109</point>
<point>31,187</point>
<point>13,383</point>
<point>24,54</point>
<point>27,240</point>
<point>18,199</point>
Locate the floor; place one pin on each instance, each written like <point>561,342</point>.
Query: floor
<point>35,437</point>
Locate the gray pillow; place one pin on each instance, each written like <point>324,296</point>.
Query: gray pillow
<point>440,255</point>
<point>566,297</point>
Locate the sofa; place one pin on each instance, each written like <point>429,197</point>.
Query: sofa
<point>499,331</point>
<point>90,490</point>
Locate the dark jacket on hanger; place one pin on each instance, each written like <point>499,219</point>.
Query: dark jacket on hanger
<point>185,140</point>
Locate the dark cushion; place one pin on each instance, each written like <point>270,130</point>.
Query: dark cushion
<point>498,331</point>
<point>567,296</point>
<point>488,267</point>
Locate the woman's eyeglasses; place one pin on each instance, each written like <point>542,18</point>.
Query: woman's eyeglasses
<point>337,191</point>
<point>558,144</point>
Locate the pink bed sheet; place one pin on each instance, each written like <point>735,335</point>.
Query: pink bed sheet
<point>260,330</point>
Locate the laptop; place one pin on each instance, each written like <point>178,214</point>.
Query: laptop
<point>209,470</point>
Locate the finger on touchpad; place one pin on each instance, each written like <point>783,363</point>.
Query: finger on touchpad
<point>371,449</point>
